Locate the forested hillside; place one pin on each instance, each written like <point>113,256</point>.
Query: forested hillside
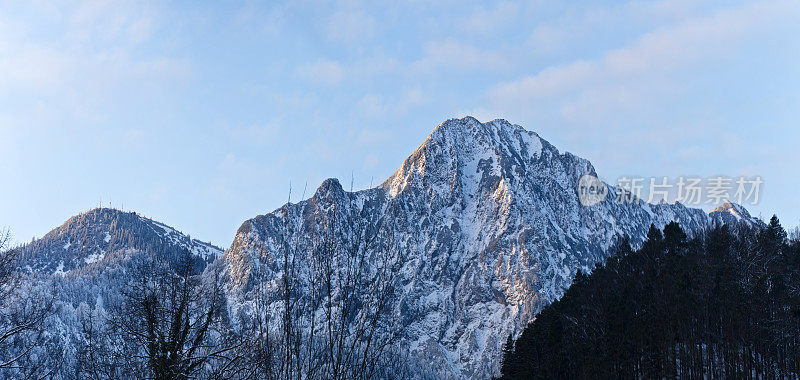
<point>725,304</point>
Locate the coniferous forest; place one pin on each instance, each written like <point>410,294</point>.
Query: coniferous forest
<point>722,305</point>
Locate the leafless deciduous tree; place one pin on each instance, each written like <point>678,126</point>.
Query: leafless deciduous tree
<point>168,325</point>
<point>328,315</point>
<point>23,308</point>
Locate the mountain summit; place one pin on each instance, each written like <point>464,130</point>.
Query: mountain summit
<point>481,227</point>
<point>487,221</point>
<point>103,235</point>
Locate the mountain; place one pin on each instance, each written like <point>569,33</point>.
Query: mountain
<point>484,224</point>
<point>103,235</point>
<point>83,268</point>
<point>722,306</point>
<point>734,214</point>
<point>488,225</point>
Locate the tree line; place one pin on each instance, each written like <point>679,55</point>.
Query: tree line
<point>324,315</point>
<point>724,304</point>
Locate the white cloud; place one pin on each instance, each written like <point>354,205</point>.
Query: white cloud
<point>371,161</point>
<point>587,23</point>
<point>115,22</point>
<point>549,37</point>
<point>372,105</point>
<point>451,53</point>
<point>372,136</point>
<point>486,20</point>
<point>267,18</point>
<point>74,58</point>
<point>256,134</point>
<point>323,71</point>
<point>350,26</point>
<point>625,77</point>
<point>548,82</point>
<point>133,136</point>
<point>30,67</point>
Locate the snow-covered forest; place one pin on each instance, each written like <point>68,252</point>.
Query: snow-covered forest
<point>140,310</point>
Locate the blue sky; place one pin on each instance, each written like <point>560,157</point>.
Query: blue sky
<point>201,114</point>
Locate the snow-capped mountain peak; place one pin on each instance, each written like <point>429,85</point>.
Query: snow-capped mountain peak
<point>459,149</point>
<point>483,220</point>
<point>732,213</point>
<point>104,234</point>
<point>488,220</point>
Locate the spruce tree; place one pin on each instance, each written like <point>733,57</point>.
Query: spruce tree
<point>508,352</point>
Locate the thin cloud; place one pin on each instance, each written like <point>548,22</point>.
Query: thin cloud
<point>323,71</point>
<point>625,75</point>
<point>451,53</point>
<point>372,105</point>
<point>350,26</point>
<point>93,52</point>
<point>486,20</point>
<point>256,134</point>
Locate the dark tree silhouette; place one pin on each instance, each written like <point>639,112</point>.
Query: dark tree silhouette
<point>725,304</point>
<point>508,356</point>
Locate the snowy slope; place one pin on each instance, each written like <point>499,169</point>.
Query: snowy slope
<point>488,221</point>
<point>84,265</point>
<point>485,222</point>
<point>732,213</point>
<point>102,235</point>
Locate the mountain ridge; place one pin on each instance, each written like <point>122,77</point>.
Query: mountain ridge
<point>489,217</point>
<point>105,233</point>
<point>483,219</point>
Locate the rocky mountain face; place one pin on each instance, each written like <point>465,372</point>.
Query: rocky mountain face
<point>103,235</point>
<point>483,221</point>
<point>487,221</point>
<point>734,214</point>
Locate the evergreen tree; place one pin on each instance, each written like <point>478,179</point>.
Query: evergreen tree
<point>773,237</point>
<point>725,304</point>
<point>508,352</point>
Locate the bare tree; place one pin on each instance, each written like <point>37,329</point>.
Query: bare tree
<point>794,235</point>
<point>356,278</point>
<point>7,258</point>
<point>23,308</point>
<point>327,314</point>
<point>103,355</point>
<point>168,325</point>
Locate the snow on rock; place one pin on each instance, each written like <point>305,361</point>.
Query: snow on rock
<point>732,213</point>
<point>95,235</point>
<point>89,258</point>
<point>60,269</point>
<point>487,229</point>
<point>488,219</point>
